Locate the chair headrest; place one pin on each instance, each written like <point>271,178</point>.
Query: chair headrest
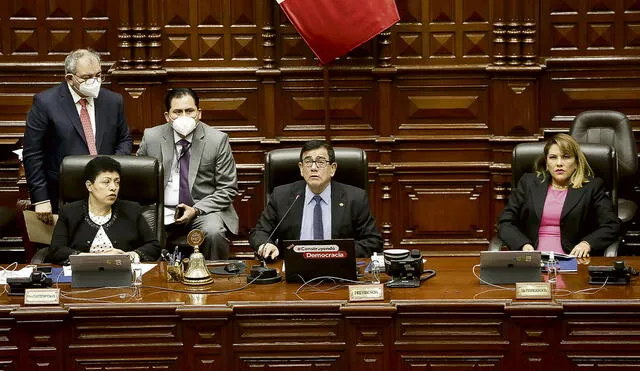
<point>601,158</point>
<point>139,179</point>
<point>612,128</point>
<point>281,167</point>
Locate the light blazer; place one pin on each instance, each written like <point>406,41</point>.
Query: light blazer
<point>127,229</point>
<point>53,131</point>
<point>212,169</point>
<point>350,217</point>
<point>587,215</point>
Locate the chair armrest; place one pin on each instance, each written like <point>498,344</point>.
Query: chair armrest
<point>496,244</point>
<point>612,250</point>
<point>40,255</point>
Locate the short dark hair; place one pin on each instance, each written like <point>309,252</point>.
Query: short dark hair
<point>99,165</point>
<point>179,93</point>
<point>315,144</point>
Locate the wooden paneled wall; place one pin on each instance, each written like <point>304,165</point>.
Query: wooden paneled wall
<point>438,101</point>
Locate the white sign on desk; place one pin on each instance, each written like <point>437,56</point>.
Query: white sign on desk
<point>42,296</point>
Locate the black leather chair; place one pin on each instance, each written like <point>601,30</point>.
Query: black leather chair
<point>281,167</point>
<point>612,128</point>
<point>141,181</point>
<point>601,157</point>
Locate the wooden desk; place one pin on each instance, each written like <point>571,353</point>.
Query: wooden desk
<point>437,326</point>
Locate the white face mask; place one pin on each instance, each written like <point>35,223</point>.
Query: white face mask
<point>90,90</point>
<point>184,125</point>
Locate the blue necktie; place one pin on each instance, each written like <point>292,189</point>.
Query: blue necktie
<point>318,230</point>
<point>184,194</point>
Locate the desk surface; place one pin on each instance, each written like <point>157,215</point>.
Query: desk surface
<point>450,322</point>
<point>454,281</point>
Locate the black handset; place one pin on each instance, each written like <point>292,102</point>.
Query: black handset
<point>179,212</point>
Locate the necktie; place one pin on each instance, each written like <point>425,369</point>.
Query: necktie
<point>86,127</point>
<point>184,195</point>
<point>318,230</point>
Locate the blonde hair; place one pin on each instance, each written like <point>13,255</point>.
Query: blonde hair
<point>568,146</point>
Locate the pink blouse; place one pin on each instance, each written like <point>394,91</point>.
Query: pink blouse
<point>549,232</point>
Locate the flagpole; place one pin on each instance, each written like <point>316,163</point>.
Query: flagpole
<point>327,103</point>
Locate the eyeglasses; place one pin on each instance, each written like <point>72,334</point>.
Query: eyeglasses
<point>89,80</point>
<point>320,162</point>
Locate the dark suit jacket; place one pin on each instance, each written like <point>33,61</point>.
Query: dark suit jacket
<point>587,215</point>
<point>350,217</point>
<point>127,229</point>
<point>53,131</point>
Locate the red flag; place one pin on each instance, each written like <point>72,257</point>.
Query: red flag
<point>332,28</point>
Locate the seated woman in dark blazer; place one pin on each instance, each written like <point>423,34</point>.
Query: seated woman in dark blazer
<point>560,208</point>
<point>102,223</point>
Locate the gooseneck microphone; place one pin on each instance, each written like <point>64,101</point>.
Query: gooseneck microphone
<point>279,222</point>
<point>261,274</point>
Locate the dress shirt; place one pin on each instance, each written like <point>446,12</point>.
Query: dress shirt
<point>306,230</point>
<point>172,189</point>
<point>91,108</point>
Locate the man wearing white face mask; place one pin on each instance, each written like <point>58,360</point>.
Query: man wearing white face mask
<point>199,173</point>
<point>76,117</point>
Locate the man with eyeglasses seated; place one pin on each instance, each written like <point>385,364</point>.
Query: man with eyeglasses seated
<point>199,173</point>
<point>326,210</point>
<point>76,117</point>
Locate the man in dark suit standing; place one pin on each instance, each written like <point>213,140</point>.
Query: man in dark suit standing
<point>326,209</point>
<point>77,117</point>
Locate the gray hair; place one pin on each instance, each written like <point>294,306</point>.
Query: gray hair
<point>71,61</point>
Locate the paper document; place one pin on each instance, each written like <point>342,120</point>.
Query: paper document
<point>22,273</point>
<point>169,215</point>
<point>37,230</point>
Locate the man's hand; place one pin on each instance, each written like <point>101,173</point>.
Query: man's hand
<point>268,250</point>
<point>581,250</point>
<point>43,212</point>
<point>188,214</point>
<point>527,247</point>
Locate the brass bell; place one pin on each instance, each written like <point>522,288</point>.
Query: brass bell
<point>197,273</point>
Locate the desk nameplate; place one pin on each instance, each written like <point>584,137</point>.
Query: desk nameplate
<point>533,290</point>
<point>366,292</point>
<point>42,296</point>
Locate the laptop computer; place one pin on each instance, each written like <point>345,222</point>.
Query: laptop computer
<point>100,270</point>
<point>308,259</point>
<point>510,266</point>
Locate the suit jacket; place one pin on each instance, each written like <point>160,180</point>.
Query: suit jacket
<point>350,217</point>
<point>212,169</point>
<point>127,229</point>
<point>53,131</point>
<point>587,215</point>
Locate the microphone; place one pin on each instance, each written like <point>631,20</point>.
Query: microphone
<point>261,274</point>
<point>278,225</point>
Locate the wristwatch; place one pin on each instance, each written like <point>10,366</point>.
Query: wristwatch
<point>198,211</point>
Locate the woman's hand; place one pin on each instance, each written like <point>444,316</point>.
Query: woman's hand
<point>527,247</point>
<point>581,250</point>
<point>112,251</point>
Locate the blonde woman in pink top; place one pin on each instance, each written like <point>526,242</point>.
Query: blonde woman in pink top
<point>561,207</point>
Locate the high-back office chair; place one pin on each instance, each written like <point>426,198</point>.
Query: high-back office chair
<point>601,158</point>
<point>141,181</point>
<point>281,167</point>
<point>612,128</point>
